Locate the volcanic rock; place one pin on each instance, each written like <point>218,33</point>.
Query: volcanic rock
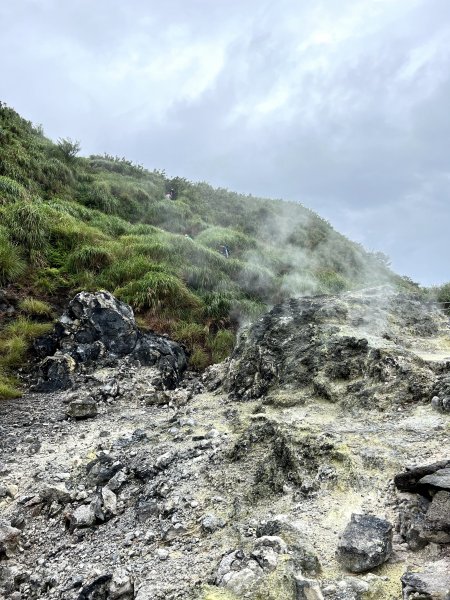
<point>98,327</point>
<point>365,544</point>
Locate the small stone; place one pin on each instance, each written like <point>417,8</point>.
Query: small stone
<point>83,409</point>
<point>307,589</point>
<point>211,523</point>
<point>121,586</point>
<point>81,517</point>
<point>109,501</point>
<point>162,554</point>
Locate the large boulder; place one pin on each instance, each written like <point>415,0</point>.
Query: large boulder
<point>365,544</point>
<point>95,328</point>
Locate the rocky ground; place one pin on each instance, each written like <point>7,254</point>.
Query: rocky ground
<point>280,474</point>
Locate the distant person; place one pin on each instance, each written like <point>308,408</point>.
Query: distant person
<point>225,251</point>
<point>170,194</point>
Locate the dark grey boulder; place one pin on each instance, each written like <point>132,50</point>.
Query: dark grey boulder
<point>55,373</point>
<point>365,544</point>
<point>100,316</point>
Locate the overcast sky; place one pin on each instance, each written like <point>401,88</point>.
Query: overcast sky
<point>343,105</point>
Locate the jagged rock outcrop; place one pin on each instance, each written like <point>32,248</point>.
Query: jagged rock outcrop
<point>355,349</point>
<point>97,328</point>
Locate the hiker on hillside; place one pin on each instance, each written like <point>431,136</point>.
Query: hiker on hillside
<point>225,251</point>
<point>170,194</point>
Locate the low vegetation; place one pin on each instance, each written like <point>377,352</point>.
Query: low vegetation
<point>196,265</point>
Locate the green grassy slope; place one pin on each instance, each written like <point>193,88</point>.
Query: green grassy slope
<point>69,223</point>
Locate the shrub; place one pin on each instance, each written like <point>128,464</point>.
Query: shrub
<point>68,149</point>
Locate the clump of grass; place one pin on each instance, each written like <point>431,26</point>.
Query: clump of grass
<point>9,387</point>
<point>91,258</point>
<point>35,308</point>
<point>49,280</point>
<point>13,350</point>
<point>15,341</point>
<point>25,328</point>
<point>11,190</point>
<point>222,345</point>
<point>12,265</point>
<point>158,290</point>
<point>199,358</point>
<point>124,271</point>
<point>27,225</point>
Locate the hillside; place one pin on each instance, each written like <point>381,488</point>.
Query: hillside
<point>70,223</point>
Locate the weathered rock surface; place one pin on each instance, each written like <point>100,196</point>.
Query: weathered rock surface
<point>429,583</point>
<point>95,328</point>
<point>365,544</point>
